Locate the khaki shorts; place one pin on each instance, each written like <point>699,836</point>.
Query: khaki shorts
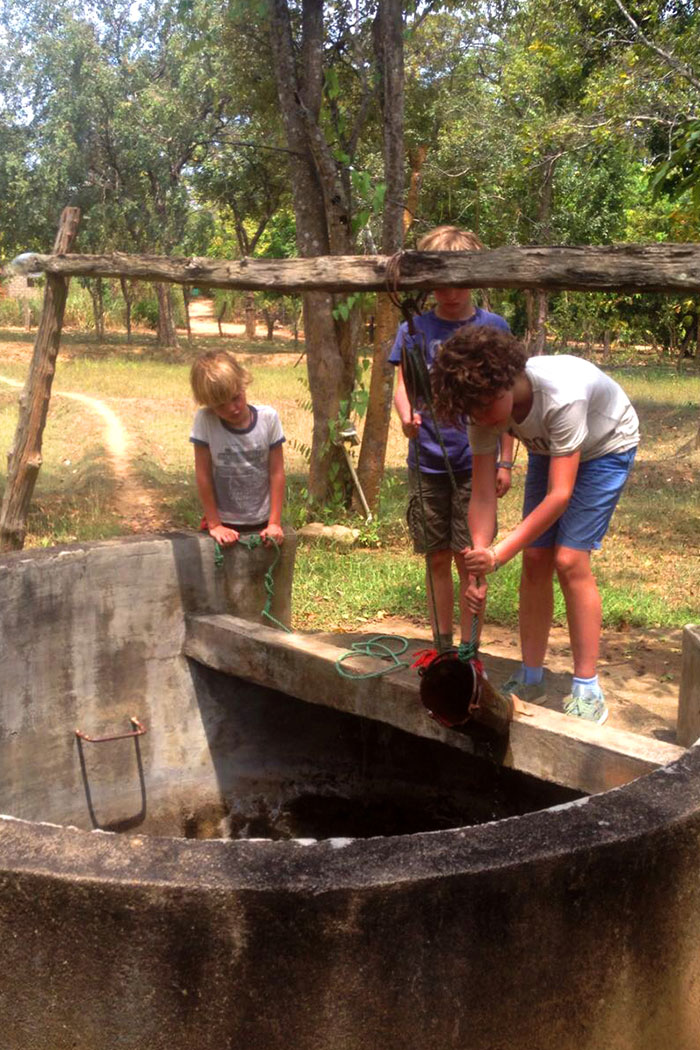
<point>445,526</point>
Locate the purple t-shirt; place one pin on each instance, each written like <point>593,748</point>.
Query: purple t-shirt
<point>435,331</point>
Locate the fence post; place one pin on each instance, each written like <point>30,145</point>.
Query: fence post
<point>24,459</point>
<point>688,727</point>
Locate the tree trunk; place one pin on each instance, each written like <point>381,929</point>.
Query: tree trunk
<point>389,51</point>
<point>24,460</point>
<point>96,291</point>
<point>166,335</point>
<point>128,298</point>
<point>220,316</point>
<point>538,343</point>
<point>186,302</point>
<point>323,227</point>
<point>270,324</point>
<point>537,335</point>
<point>249,313</point>
<point>416,159</point>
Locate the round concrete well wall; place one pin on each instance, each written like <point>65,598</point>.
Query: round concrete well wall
<point>572,927</point>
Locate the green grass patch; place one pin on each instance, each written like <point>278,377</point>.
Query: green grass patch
<point>648,570</point>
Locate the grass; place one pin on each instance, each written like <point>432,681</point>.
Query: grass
<point>648,570</point>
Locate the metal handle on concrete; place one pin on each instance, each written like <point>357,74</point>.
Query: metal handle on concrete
<point>139,730</point>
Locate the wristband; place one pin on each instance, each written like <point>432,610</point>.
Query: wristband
<point>505,464</point>
<point>496,562</point>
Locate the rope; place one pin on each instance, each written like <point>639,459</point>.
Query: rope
<point>377,648</point>
<point>251,542</point>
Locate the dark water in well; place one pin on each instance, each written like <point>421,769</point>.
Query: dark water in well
<point>288,769</point>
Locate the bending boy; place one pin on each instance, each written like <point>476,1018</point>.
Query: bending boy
<point>444,533</point>
<point>238,458</point>
<point>581,433</point>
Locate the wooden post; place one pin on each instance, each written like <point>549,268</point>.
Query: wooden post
<point>688,727</point>
<point>24,459</point>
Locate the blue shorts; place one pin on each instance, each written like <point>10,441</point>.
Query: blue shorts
<point>598,487</point>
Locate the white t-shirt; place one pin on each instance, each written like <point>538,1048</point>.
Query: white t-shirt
<point>240,462</point>
<point>574,406</point>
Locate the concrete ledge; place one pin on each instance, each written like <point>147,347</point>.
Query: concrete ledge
<point>543,743</point>
<point>688,728</point>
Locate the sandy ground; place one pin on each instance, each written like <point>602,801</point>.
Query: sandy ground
<point>639,670</point>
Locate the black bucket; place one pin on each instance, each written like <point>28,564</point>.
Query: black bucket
<point>457,694</point>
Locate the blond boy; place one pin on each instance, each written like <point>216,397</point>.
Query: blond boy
<point>238,458</point>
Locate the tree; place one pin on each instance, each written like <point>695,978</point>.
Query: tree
<point>388,42</point>
<point>117,108</point>
<point>321,192</point>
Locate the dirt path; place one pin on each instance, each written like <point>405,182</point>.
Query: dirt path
<point>203,322</point>
<point>133,503</point>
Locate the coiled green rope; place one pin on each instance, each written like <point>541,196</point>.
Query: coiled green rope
<point>377,648</point>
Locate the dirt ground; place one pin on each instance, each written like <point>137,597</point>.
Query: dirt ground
<point>639,670</point>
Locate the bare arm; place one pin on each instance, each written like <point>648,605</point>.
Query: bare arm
<point>204,478</point>
<point>410,421</point>
<point>562,478</point>
<point>482,505</point>
<point>273,531</point>
<point>504,475</point>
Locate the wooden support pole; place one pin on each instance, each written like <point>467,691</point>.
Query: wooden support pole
<point>688,727</point>
<point>624,267</point>
<point>543,743</point>
<point>24,459</point>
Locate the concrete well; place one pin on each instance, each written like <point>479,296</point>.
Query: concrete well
<point>574,926</point>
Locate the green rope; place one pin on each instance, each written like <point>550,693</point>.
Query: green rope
<point>375,647</point>
<point>251,542</point>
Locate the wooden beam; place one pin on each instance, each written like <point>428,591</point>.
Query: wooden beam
<point>543,743</point>
<point>688,726</point>
<point>626,267</point>
<point>24,459</point>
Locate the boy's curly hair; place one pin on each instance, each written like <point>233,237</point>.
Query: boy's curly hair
<point>473,367</point>
<point>216,377</point>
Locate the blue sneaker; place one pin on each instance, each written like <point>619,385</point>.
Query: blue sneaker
<point>586,702</point>
<point>529,693</point>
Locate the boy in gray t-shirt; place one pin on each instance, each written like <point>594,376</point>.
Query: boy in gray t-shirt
<point>239,464</point>
<point>581,433</point>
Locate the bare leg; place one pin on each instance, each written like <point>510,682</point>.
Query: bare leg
<point>536,603</point>
<point>465,616</point>
<point>443,590</point>
<point>583,608</point>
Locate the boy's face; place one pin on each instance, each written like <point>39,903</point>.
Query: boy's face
<point>453,304</point>
<point>494,413</point>
<point>233,411</point>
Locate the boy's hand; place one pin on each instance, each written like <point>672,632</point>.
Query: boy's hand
<point>224,536</point>
<point>410,428</point>
<point>504,477</point>
<point>475,594</point>
<point>272,532</point>
<point>479,560</point>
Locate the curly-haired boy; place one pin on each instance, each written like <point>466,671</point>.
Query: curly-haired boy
<point>581,433</point>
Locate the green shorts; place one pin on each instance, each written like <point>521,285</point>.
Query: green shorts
<point>445,526</point>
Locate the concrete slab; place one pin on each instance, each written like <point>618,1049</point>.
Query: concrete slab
<point>542,743</point>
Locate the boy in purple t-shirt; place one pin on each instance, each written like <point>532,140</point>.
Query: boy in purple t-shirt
<point>443,532</point>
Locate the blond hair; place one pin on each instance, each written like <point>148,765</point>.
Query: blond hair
<point>449,239</point>
<point>216,377</point>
